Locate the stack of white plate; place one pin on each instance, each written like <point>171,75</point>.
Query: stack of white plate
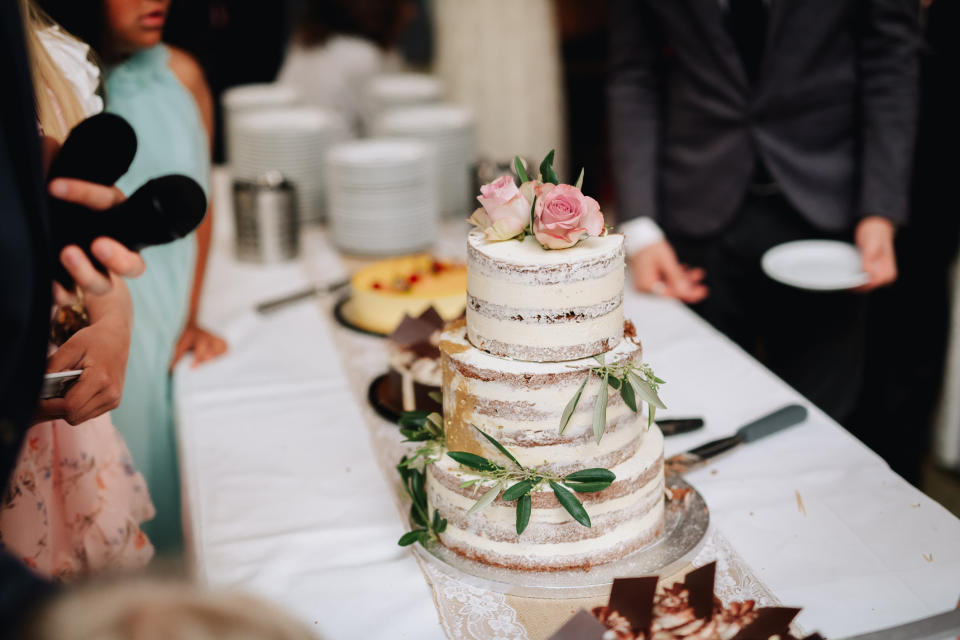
<point>253,97</point>
<point>293,141</point>
<point>381,196</point>
<point>450,131</point>
<point>392,90</point>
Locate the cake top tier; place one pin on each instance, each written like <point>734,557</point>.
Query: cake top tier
<point>527,260</point>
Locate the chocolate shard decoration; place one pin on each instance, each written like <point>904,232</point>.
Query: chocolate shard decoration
<point>632,598</point>
<point>582,626</point>
<point>771,621</point>
<point>432,318</point>
<point>699,582</point>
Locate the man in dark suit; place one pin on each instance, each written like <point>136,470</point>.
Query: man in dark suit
<point>741,124</point>
<point>25,285</point>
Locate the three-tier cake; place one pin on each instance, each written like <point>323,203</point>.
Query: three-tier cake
<point>538,322</point>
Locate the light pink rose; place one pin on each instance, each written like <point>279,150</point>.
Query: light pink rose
<point>563,216</point>
<point>505,212</point>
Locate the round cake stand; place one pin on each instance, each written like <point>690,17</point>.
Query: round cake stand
<point>685,526</point>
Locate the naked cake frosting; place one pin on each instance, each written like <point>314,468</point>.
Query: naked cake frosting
<point>547,460</point>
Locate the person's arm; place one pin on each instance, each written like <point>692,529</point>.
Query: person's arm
<point>633,79</point>
<point>204,344</point>
<point>888,59</point>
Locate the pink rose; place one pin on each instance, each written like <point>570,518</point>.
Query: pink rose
<point>563,216</point>
<point>505,212</point>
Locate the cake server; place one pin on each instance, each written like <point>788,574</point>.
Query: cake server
<point>270,306</point>
<point>942,625</point>
<point>760,428</point>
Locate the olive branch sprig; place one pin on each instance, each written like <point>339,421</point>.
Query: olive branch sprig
<point>525,481</point>
<point>425,427</point>
<point>633,381</point>
<point>428,528</point>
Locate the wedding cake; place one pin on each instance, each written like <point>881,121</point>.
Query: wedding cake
<point>551,462</point>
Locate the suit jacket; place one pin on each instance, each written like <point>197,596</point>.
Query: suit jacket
<point>24,289</point>
<point>832,113</point>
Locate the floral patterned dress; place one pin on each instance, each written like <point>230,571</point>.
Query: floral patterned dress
<point>74,502</point>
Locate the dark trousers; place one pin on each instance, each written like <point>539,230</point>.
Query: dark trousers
<point>813,340</point>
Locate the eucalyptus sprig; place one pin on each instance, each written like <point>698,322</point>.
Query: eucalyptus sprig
<point>634,382</point>
<point>428,528</point>
<point>425,427</point>
<point>517,482</point>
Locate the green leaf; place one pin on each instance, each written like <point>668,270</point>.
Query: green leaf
<point>651,412</point>
<point>569,502</point>
<point>436,520</point>
<point>524,506</point>
<point>521,172</point>
<point>469,483</point>
<point>417,535</point>
<point>417,516</point>
<point>579,184</point>
<point>436,396</point>
<point>572,406</point>
<point>413,418</point>
<point>441,527</point>
<point>416,435</point>
<point>645,390</point>
<point>533,206</point>
<point>546,169</point>
<point>600,410</point>
<point>416,484</point>
<point>473,461</point>
<point>502,449</point>
<point>436,420</point>
<point>626,392</point>
<point>595,474</point>
<point>519,490</point>
<point>613,381</point>
<point>587,487</point>
<point>486,499</point>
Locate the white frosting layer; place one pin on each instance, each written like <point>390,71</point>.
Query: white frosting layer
<point>482,329</point>
<point>559,296</point>
<point>503,516</point>
<point>538,304</point>
<point>479,359</point>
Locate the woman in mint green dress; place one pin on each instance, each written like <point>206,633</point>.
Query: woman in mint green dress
<point>162,93</point>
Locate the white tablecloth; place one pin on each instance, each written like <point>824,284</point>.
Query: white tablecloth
<point>284,495</point>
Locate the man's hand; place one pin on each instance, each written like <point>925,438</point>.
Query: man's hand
<point>874,238</point>
<point>205,345</point>
<point>656,270</point>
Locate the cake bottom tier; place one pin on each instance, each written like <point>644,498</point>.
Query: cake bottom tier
<point>625,517</point>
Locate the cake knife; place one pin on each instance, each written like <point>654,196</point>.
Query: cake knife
<point>771,423</point>
<point>272,305</point>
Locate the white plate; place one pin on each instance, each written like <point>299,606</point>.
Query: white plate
<point>817,265</point>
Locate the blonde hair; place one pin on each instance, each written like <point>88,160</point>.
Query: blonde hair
<point>58,107</point>
<point>159,610</point>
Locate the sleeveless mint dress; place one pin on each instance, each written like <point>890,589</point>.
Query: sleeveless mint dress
<point>171,138</point>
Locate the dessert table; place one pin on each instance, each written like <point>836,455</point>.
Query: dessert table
<point>289,488</point>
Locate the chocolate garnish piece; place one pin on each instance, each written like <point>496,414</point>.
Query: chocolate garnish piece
<point>699,583</point>
<point>633,599</point>
<point>411,331</point>
<point>582,626</point>
<point>771,621</point>
<point>431,317</point>
<point>425,350</point>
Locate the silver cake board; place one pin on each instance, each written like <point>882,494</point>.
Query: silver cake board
<point>685,526</point>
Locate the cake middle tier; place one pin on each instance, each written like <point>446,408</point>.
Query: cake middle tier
<point>521,404</point>
<point>531,303</point>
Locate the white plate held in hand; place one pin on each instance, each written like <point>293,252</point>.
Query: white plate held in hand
<point>817,265</point>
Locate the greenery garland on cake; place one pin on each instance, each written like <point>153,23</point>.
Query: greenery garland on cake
<point>516,482</point>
